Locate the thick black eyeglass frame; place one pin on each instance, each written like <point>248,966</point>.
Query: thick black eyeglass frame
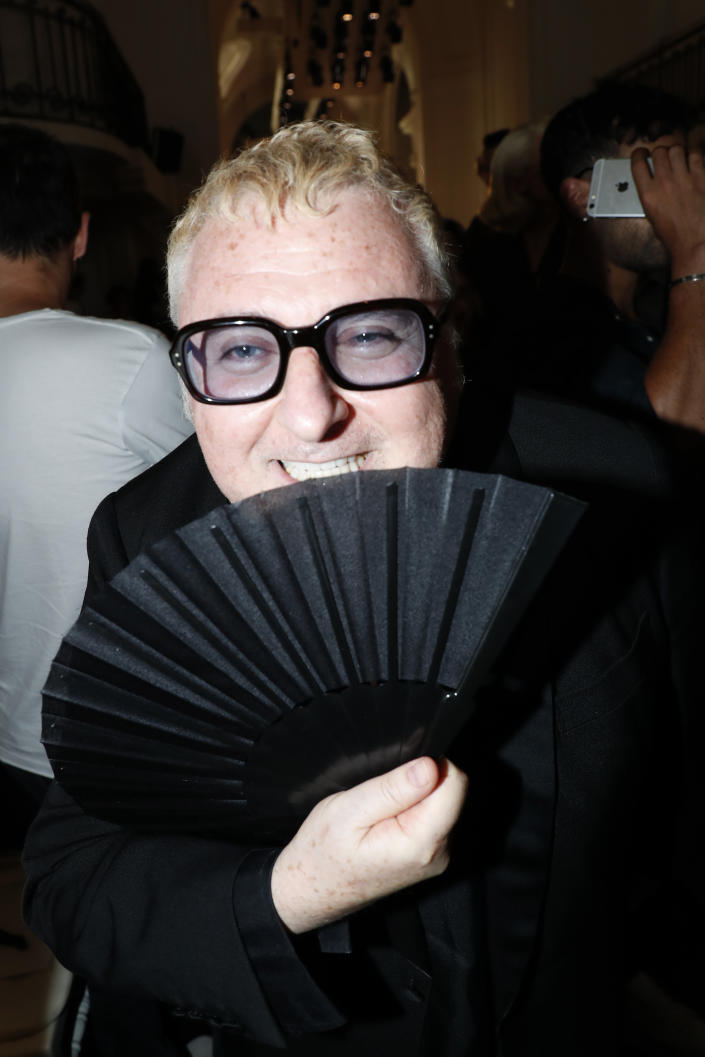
<point>313,337</point>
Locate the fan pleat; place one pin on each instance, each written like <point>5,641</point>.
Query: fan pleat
<point>123,709</point>
<point>352,545</point>
<point>250,661</point>
<point>392,505</point>
<point>340,635</point>
<point>178,668</point>
<point>175,762</point>
<point>352,592</point>
<point>310,612</point>
<point>453,596</point>
<point>222,633</point>
<point>276,627</point>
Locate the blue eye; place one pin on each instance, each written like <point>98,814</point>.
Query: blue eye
<point>373,342</point>
<point>242,352</point>
<point>377,347</point>
<point>363,338</point>
<point>243,348</point>
<point>371,337</point>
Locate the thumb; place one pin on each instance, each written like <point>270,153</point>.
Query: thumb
<point>396,791</point>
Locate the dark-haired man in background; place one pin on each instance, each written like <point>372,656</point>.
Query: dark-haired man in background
<point>599,332</point>
<point>85,404</point>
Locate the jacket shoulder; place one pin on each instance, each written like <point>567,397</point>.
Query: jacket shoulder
<point>176,490</point>
<point>586,452</point>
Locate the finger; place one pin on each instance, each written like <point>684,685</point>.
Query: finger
<point>676,156</point>
<point>641,171</point>
<point>696,164</point>
<point>659,158</point>
<point>440,810</point>
<point>392,793</point>
<point>639,158</point>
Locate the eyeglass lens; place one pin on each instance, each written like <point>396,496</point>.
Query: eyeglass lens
<point>241,361</point>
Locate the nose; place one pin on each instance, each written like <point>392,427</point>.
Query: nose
<point>310,406</point>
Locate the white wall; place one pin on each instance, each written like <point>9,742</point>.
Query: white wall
<point>467,64</point>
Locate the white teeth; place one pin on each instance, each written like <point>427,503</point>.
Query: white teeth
<point>303,471</point>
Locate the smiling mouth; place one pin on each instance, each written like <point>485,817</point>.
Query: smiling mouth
<point>305,471</point>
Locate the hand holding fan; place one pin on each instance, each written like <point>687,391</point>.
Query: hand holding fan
<point>293,645</point>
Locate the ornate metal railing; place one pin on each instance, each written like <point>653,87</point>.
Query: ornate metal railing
<point>58,62</point>
<point>676,66</point>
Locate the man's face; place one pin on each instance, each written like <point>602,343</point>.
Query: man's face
<point>631,242</point>
<point>294,274</point>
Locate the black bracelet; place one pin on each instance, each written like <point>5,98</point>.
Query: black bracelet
<point>696,277</point>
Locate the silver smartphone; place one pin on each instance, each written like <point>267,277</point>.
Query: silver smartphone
<point>613,192</point>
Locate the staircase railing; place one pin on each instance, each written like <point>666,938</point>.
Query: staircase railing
<point>58,62</point>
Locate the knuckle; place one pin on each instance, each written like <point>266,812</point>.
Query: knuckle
<point>438,861</point>
<point>434,858</point>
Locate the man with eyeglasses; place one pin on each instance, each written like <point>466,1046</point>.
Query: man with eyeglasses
<point>309,285</point>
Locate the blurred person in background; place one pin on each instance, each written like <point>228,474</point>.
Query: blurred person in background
<point>85,404</point>
<point>599,332</point>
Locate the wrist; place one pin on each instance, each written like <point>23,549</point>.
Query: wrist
<point>687,262</point>
<point>683,280</point>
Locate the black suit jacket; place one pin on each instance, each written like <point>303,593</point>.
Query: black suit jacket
<point>523,945</point>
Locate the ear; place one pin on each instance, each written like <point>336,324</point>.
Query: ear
<point>574,196</point>
<point>81,241</point>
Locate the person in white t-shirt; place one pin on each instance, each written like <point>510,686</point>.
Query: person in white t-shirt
<point>85,405</point>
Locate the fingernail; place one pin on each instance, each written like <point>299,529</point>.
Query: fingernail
<point>417,774</point>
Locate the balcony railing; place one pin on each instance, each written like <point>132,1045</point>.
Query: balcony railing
<point>58,62</point>
<point>676,66</point>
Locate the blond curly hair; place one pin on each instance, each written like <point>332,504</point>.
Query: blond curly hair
<point>308,165</point>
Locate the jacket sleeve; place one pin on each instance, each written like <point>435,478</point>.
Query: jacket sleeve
<point>154,916</point>
<point>186,921</point>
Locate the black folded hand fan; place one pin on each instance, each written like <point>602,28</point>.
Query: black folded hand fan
<point>293,645</point>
